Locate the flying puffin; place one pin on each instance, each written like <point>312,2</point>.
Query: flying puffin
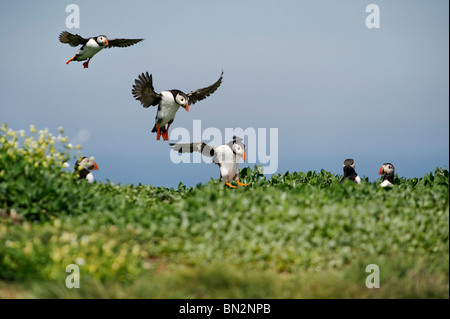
<point>388,171</point>
<point>226,156</point>
<point>83,166</point>
<point>93,45</point>
<point>168,101</point>
<point>349,172</point>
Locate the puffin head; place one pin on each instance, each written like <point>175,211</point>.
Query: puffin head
<point>387,169</point>
<point>349,162</point>
<point>238,147</point>
<point>102,40</point>
<point>183,100</point>
<point>83,166</point>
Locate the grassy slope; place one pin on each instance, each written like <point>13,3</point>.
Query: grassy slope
<point>294,236</point>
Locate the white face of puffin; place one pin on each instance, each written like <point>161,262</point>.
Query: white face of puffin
<point>102,40</point>
<point>182,100</point>
<point>89,164</point>
<point>387,169</point>
<point>238,150</point>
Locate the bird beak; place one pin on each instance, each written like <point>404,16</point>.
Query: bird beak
<point>244,157</point>
<point>95,167</point>
<point>107,43</point>
<point>187,107</point>
<point>381,170</point>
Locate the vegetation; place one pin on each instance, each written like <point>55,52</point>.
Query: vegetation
<point>294,235</point>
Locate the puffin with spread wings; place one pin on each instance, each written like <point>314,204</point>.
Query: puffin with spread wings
<point>91,46</point>
<point>168,101</point>
<point>226,156</point>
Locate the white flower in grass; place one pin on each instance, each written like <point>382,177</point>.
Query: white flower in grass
<point>80,261</point>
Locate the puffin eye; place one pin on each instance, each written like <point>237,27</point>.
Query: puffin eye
<point>181,99</point>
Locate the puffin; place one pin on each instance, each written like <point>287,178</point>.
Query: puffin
<point>91,46</point>
<point>168,101</point>
<point>349,172</point>
<point>83,168</point>
<point>387,171</point>
<point>226,156</point>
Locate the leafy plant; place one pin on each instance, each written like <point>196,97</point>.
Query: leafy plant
<point>283,229</point>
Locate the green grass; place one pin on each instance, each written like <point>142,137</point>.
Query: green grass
<point>295,235</point>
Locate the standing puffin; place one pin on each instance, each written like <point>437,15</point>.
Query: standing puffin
<point>93,45</point>
<point>168,101</point>
<point>226,156</point>
<point>83,168</point>
<point>388,171</point>
<point>349,172</point>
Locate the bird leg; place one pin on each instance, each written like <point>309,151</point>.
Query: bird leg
<point>158,133</point>
<point>228,184</point>
<point>70,60</point>
<point>241,184</point>
<point>86,64</point>
<point>165,135</point>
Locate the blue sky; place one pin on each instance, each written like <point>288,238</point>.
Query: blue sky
<point>333,88</point>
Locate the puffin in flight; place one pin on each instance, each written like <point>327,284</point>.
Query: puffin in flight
<point>349,172</point>
<point>388,171</point>
<point>168,101</point>
<point>226,156</point>
<point>91,46</point>
<point>83,168</point>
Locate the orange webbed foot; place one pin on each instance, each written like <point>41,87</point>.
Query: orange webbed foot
<point>241,184</point>
<point>229,185</point>
<point>86,64</point>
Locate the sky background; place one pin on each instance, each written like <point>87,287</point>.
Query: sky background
<point>333,88</point>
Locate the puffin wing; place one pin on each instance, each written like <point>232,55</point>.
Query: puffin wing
<point>202,147</point>
<point>200,94</point>
<point>122,43</point>
<point>72,39</point>
<point>144,92</point>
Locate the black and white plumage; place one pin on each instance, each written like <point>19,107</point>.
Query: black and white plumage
<point>349,172</point>
<point>168,101</point>
<point>91,46</point>
<point>83,168</point>
<point>226,156</point>
<point>388,171</point>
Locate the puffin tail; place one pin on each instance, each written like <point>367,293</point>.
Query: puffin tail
<point>162,129</point>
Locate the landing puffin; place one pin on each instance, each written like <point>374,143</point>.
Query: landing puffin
<point>349,172</point>
<point>91,46</point>
<point>388,171</point>
<point>83,168</point>
<point>226,156</point>
<point>168,101</point>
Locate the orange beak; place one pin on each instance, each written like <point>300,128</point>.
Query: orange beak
<point>381,170</point>
<point>187,107</point>
<point>95,167</point>
<point>107,43</point>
